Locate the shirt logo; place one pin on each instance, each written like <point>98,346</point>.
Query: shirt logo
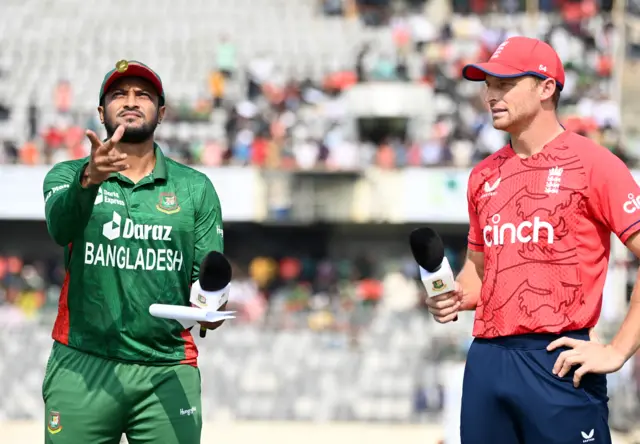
<point>490,189</point>
<point>220,231</point>
<point>588,437</point>
<point>508,233</point>
<point>632,205</point>
<point>499,49</point>
<point>54,425</point>
<point>188,412</point>
<point>54,190</point>
<point>152,255</point>
<point>110,197</point>
<point>112,230</point>
<point>553,180</point>
<point>168,203</point>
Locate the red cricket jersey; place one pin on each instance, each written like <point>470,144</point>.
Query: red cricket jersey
<point>544,225</point>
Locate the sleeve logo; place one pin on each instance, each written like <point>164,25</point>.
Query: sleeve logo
<point>54,190</point>
<point>168,203</point>
<point>54,425</point>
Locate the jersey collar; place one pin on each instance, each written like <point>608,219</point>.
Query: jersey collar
<point>159,170</point>
<point>557,140</point>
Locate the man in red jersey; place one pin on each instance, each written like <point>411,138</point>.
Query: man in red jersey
<point>541,210</point>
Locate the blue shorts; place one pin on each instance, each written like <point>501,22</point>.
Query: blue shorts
<point>510,395</point>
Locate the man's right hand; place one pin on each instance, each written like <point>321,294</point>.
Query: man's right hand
<point>105,158</point>
<point>445,307</point>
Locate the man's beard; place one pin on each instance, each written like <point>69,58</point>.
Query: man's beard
<point>133,135</point>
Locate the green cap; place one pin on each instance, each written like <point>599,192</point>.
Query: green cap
<point>132,68</point>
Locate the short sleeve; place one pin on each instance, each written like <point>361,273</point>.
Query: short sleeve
<point>614,197</point>
<point>475,239</point>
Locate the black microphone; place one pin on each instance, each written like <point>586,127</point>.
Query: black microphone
<point>215,275</point>
<point>435,271</point>
<point>215,272</point>
<point>427,248</point>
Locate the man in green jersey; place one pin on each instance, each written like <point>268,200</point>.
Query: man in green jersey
<point>135,227</point>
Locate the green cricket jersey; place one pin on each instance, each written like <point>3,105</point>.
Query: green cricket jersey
<point>128,246</point>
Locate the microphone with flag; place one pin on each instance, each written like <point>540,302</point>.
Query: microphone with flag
<point>435,271</point>
<point>211,290</point>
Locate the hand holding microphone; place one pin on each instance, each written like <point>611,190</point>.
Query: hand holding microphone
<point>211,290</point>
<point>445,297</point>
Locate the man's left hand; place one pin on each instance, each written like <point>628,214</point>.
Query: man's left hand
<point>214,325</point>
<point>592,356</point>
<point>211,325</point>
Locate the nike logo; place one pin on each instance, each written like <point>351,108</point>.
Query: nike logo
<point>488,188</point>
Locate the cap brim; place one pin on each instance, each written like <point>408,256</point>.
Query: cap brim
<point>135,70</point>
<point>478,72</point>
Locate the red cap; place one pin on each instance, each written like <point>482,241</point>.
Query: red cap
<point>132,68</point>
<point>517,57</point>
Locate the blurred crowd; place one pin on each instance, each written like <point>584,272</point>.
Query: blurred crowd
<point>339,294</point>
<point>275,119</point>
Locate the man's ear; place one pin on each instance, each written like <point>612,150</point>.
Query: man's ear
<point>547,89</point>
<point>101,113</point>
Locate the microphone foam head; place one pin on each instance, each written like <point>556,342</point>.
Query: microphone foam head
<point>427,248</point>
<point>215,272</point>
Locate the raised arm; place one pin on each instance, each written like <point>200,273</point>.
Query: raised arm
<point>68,205</point>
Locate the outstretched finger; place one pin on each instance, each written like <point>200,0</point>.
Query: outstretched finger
<point>93,138</point>
<point>113,167</point>
<point>117,135</point>
<point>110,159</point>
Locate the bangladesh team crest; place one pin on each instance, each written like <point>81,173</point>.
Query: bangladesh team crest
<point>122,66</point>
<point>202,299</point>
<point>168,203</point>
<point>438,284</point>
<point>54,426</point>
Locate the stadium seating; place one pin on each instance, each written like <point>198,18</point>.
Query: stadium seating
<point>79,41</point>
<point>254,371</point>
<point>250,373</point>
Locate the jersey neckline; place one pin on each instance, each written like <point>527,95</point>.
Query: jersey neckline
<point>552,143</point>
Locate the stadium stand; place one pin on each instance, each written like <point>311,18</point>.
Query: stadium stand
<point>263,84</point>
<point>273,97</point>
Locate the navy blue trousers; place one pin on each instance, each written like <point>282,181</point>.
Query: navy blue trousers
<point>510,395</point>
